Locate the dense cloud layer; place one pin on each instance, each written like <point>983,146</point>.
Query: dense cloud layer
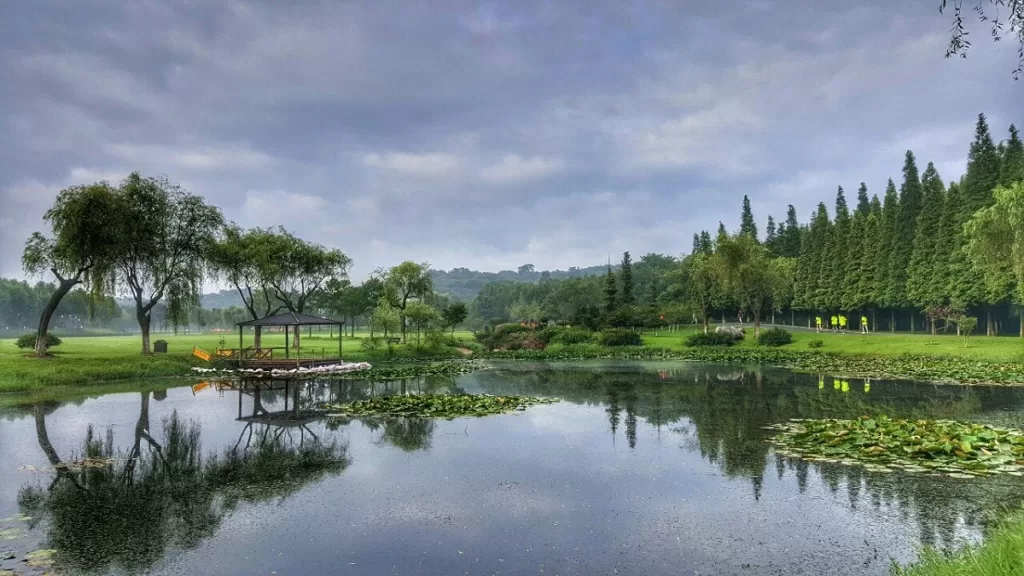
<point>485,135</point>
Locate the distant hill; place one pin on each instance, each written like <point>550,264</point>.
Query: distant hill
<point>464,284</point>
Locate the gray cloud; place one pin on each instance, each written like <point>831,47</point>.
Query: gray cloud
<point>484,134</point>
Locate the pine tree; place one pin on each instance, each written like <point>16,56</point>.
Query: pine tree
<point>789,238</point>
<point>983,169</point>
<point>853,297</point>
<point>770,237</point>
<point>964,286</point>
<point>747,225</point>
<point>1012,165</point>
<point>909,207</point>
<point>836,264</point>
<point>980,179</point>
<point>626,274</point>
<point>886,296</point>
<point>696,243</point>
<point>721,234</point>
<point>866,294</point>
<point>610,292</point>
<point>818,239</point>
<point>705,242</point>
<point>920,288</point>
<point>863,204</point>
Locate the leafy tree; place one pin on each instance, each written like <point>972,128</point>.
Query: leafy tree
<point>164,235</point>
<point>299,271</point>
<point>747,225</point>
<point>405,281</point>
<point>81,249</point>
<point>385,318</point>
<point>995,239</point>
<point>244,258</point>
<point>922,291</point>
<point>626,275</point>
<point>422,316</point>
<point>748,274</point>
<point>703,283</point>
<point>454,315</point>
<point>610,292</point>
<point>705,241</point>
<point>783,288</point>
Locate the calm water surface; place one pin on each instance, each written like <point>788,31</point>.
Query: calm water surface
<point>642,468</point>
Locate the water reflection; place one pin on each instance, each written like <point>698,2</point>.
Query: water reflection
<point>108,506</point>
<point>133,481</point>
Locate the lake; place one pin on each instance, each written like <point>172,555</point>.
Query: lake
<point>641,468</point>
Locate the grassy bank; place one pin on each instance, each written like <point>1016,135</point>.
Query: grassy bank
<point>1002,554</point>
<point>104,359</point>
<point>97,360</point>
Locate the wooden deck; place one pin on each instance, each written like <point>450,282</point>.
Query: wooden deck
<point>273,358</point>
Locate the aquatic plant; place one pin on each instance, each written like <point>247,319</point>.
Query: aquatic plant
<point>446,406</point>
<point>882,444</point>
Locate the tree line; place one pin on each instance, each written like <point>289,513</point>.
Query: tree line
<point>928,255</point>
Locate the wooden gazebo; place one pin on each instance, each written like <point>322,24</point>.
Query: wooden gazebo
<point>264,357</point>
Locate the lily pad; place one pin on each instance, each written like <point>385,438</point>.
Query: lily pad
<point>40,558</point>
<point>881,444</point>
<point>436,405</point>
<point>11,534</point>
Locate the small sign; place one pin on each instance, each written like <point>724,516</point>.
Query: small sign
<point>201,354</point>
<point>200,387</point>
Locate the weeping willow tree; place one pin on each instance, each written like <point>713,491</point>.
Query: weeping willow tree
<point>80,249</point>
<point>995,241</point>
<point>164,236</point>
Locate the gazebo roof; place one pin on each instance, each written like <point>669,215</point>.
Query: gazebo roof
<point>292,319</point>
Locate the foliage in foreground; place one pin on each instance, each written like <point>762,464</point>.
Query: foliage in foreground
<point>388,373</point>
<point>436,405</point>
<point>774,337</point>
<point>881,444</point>
<point>1002,554</point>
<point>699,339</point>
<point>29,341</point>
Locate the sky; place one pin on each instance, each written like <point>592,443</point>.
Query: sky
<point>486,134</point>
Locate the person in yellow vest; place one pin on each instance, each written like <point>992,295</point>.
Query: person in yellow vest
<point>863,324</point>
<point>817,323</point>
<point>834,324</point>
<point>842,323</point>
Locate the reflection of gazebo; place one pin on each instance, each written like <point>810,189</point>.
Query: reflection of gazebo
<point>264,357</point>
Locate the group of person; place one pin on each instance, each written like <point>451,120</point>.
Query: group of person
<point>839,323</point>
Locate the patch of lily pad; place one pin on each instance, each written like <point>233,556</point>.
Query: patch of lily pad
<point>40,558</point>
<point>881,444</point>
<point>446,406</point>
<point>379,373</point>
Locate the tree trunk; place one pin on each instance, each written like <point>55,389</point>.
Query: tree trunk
<point>988,322</point>
<point>51,307</point>
<point>911,322</point>
<point>874,321</point>
<point>1022,325</point>
<point>934,332</point>
<point>145,320</point>
<point>257,337</point>
<point>892,320</point>
<point>792,317</point>
<point>757,324</point>
<point>706,322</point>
<point>298,336</point>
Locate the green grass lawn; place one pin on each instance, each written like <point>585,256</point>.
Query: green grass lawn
<point>997,349</point>
<point>91,360</point>
<point>98,360</point>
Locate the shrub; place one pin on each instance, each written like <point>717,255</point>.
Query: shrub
<point>371,343</point>
<point>709,339</point>
<point>733,332</point>
<point>573,336</point>
<point>29,341</point>
<point>815,344</point>
<point>774,337</point>
<point>503,329</point>
<point>619,337</point>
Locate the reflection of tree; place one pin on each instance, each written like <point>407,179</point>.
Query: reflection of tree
<point>406,433</point>
<point>722,414</point>
<point>125,508</point>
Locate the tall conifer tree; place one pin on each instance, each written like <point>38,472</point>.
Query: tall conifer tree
<point>921,291</point>
<point>610,291</point>
<point>747,225</point>
<point>626,274</point>
<point>1012,166</point>
<point>909,207</point>
<point>789,238</point>
<point>889,228</point>
<point>863,204</point>
<point>983,169</point>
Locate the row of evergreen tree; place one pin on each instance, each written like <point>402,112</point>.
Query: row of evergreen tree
<point>903,254</point>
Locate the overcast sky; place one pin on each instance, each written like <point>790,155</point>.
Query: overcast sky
<point>486,134</point>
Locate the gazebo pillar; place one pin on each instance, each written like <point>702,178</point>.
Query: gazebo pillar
<point>287,329</point>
